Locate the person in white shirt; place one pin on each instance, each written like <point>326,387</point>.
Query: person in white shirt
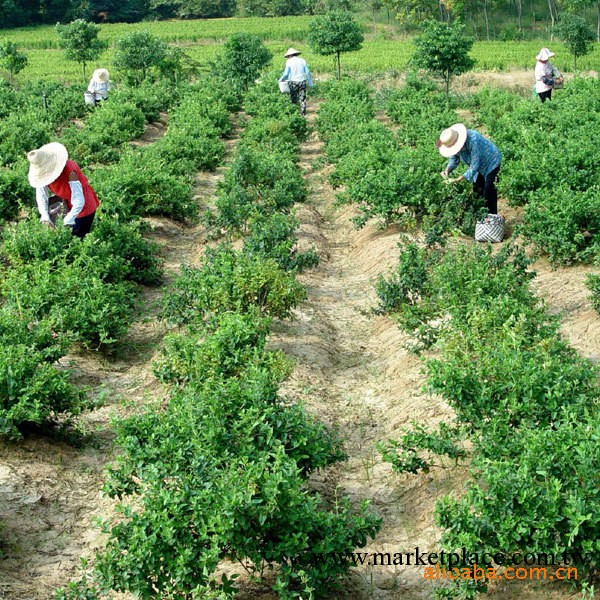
<point>51,172</point>
<point>298,77</point>
<point>545,74</point>
<point>98,88</point>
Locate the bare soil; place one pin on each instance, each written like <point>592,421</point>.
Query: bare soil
<point>352,369</point>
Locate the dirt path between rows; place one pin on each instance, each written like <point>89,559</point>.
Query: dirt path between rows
<point>51,491</point>
<point>354,372</point>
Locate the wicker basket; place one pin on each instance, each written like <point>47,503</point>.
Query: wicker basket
<point>491,229</point>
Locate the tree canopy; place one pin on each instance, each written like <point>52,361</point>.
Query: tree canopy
<point>335,32</point>
<point>443,50</point>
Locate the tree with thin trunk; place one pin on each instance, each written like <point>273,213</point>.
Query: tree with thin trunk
<point>333,33</point>
<point>79,40</point>
<point>577,36</point>
<point>11,58</point>
<point>138,54</point>
<point>443,50</point>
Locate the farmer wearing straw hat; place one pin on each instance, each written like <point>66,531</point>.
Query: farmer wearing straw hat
<point>483,158</point>
<point>298,76</point>
<point>50,170</point>
<point>97,90</point>
<point>545,74</point>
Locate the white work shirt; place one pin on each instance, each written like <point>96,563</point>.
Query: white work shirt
<point>543,70</point>
<point>99,89</point>
<point>296,70</point>
<point>42,195</point>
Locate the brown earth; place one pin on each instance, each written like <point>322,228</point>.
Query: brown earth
<point>352,369</point>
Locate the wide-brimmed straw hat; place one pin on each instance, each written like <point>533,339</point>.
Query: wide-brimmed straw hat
<point>100,75</point>
<point>544,54</point>
<point>46,164</point>
<point>452,140</point>
<point>291,52</point>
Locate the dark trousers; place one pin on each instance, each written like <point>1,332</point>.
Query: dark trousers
<point>545,95</point>
<point>485,187</point>
<point>83,225</point>
<point>298,94</point>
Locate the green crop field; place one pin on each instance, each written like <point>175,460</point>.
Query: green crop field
<point>384,50</point>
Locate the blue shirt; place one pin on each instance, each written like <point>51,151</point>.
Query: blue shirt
<point>479,153</point>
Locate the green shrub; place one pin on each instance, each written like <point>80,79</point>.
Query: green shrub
<point>565,225</point>
<point>521,394</point>
<point>105,130</point>
<point>73,298</point>
<point>15,191</point>
<point>21,132</point>
<point>151,98</point>
<point>420,114</point>
<point>33,390</point>
<point>593,283</point>
<point>264,102</point>
<point>30,241</point>
<point>271,135</point>
<point>201,150</point>
<point>432,288</point>
<point>231,281</point>
<point>119,251</point>
<point>232,343</point>
<point>202,104</point>
<point>115,248</point>
<point>141,184</point>
<point>235,490</point>
<point>273,237</point>
<point>405,454</point>
<point>518,371</point>
<point>531,499</point>
<point>257,183</point>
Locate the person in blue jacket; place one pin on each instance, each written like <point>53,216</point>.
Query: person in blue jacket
<point>481,156</point>
<point>298,77</point>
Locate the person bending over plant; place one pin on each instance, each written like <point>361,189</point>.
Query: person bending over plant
<point>483,158</point>
<point>50,170</point>
<point>98,88</point>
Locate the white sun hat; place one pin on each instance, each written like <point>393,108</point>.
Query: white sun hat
<point>100,75</point>
<point>46,164</point>
<point>544,54</point>
<point>452,140</point>
<point>291,52</point>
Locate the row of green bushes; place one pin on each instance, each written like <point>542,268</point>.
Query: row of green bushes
<point>550,165</point>
<point>33,122</point>
<point>219,470</point>
<point>158,179</point>
<point>523,398</point>
<point>393,177</point>
<point>57,290</point>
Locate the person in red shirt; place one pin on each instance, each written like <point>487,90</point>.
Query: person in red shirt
<point>51,171</point>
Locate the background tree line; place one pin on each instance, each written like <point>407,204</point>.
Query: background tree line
<point>486,19</point>
<point>17,13</point>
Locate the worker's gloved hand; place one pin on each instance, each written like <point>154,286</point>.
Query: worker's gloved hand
<point>448,180</point>
<point>48,223</point>
<point>444,174</point>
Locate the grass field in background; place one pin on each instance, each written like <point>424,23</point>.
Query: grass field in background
<point>215,30</point>
<point>202,39</point>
